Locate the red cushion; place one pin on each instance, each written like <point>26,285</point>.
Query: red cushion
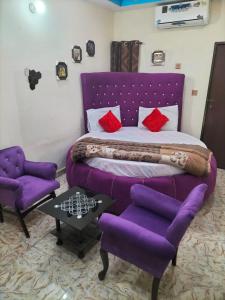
<point>155,120</point>
<point>110,122</point>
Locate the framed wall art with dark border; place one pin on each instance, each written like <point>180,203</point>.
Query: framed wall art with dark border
<point>61,71</point>
<point>158,58</point>
<point>77,54</point>
<point>90,48</point>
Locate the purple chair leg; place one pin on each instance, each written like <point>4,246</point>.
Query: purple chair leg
<point>155,288</point>
<point>105,261</point>
<point>1,214</point>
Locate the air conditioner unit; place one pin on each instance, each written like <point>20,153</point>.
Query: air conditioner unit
<point>183,13</point>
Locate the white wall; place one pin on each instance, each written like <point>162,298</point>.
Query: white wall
<point>46,121</point>
<point>192,47</point>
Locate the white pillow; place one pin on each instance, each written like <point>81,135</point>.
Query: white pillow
<point>93,115</point>
<point>170,111</point>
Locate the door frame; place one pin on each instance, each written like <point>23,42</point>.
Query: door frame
<point>209,85</point>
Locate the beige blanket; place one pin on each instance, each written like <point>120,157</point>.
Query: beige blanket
<point>191,158</point>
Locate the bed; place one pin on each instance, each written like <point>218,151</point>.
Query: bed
<point>114,178</point>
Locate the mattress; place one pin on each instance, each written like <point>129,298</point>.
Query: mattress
<point>134,168</point>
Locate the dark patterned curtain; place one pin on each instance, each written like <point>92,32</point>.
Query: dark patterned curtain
<point>125,56</point>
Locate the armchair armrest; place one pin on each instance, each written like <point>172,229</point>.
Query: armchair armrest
<point>157,202</point>
<point>124,231</point>
<point>44,170</point>
<point>9,184</point>
<point>10,191</point>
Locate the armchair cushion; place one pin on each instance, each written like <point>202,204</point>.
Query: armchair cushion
<point>154,201</point>
<point>146,219</point>
<point>33,189</point>
<point>44,170</point>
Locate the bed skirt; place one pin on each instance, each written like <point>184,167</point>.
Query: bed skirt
<point>118,187</point>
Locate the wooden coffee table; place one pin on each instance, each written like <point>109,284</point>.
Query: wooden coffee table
<point>78,210</point>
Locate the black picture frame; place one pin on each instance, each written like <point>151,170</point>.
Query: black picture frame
<point>77,54</point>
<point>90,48</point>
<point>61,71</point>
<point>158,58</point>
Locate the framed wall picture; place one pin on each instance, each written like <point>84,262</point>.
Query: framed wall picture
<point>61,71</point>
<point>90,48</point>
<point>77,54</point>
<point>158,58</point>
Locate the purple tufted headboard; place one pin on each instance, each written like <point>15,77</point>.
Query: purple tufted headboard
<point>131,90</point>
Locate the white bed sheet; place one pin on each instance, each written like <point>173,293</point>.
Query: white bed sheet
<point>134,168</point>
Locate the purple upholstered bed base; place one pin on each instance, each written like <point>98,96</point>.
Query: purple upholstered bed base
<point>131,90</point>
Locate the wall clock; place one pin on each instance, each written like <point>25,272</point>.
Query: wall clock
<point>90,48</point>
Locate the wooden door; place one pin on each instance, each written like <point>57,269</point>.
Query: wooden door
<point>213,130</point>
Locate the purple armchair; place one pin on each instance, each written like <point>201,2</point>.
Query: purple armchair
<point>148,232</point>
<point>24,183</point>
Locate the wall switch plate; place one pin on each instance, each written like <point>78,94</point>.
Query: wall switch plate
<point>194,93</point>
<point>178,66</point>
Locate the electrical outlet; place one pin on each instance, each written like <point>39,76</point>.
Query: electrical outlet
<point>194,93</point>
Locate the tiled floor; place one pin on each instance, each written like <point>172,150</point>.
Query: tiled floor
<point>38,269</point>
